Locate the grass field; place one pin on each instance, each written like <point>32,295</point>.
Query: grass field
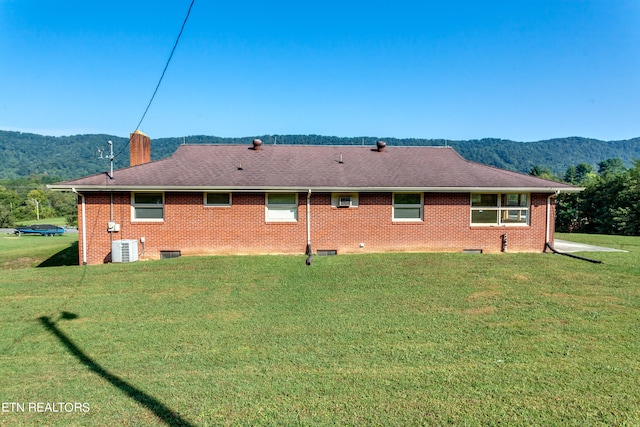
<point>17,252</point>
<point>389,339</point>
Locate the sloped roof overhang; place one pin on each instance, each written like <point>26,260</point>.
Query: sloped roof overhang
<point>299,189</point>
<point>232,168</point>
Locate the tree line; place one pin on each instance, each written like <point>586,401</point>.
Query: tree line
<point>609,204</point>
<point>28,199</point>
<point>70,157</point>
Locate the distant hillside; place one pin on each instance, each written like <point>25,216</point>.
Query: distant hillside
<point>67,157</point>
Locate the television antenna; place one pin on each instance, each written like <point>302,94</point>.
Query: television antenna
<point>110,159</point>
<point>109,156</point>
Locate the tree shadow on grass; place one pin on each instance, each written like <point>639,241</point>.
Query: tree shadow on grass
<point>164,413</point>
<point>67,256</point>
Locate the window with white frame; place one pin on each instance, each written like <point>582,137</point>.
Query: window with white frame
<point>217,199</point>
<point>282,207</point>
<point>499,209</point>
<point>408,206</point>
<point>147,206</point>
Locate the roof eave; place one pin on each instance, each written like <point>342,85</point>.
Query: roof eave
<point>323,189</point>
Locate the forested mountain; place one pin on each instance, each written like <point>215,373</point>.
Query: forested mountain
<point>67,157</point>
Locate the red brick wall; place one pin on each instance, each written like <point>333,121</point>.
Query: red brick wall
<point>195,229</point>
<point>139,148</point>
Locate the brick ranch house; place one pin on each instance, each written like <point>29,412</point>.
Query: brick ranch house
<point>268,199</point>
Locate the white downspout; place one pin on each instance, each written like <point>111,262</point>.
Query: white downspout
<point>548,227</point>
<point>309,219</point>
<point>84,228</point>
<point>309,251</point>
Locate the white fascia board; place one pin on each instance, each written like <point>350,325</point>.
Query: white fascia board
<point>273,189</point>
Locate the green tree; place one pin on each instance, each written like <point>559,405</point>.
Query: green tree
<point>61,201</point>
<point>610,203</point>
<point>584,172</point>
<point>9,201</point>
<point>65,205</point>
<point>571,176</point>
<point>38,198</point>
<point>612,166</point>
<point>9,198</point>
<point>6,217</point>
<point>542,172</point>
<point>569,218</point>
<point>625,214</point>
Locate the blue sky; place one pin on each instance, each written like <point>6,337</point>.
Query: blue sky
<point>524,70</point>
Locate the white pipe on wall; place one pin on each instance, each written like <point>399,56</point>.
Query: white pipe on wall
<point>548,227</point>
<point>309,218</point>
<point>84,229</point>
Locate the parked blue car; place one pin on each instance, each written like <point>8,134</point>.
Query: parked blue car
<point>41,229</point>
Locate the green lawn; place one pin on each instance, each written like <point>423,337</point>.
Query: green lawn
<point>389,339</point>
<point>17,252</point>
<point>627,243</point>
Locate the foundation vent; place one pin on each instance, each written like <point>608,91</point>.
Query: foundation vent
<point>169,254</point>
<point>327,252</point>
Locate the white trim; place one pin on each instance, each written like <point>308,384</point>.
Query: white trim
<point>208,205</point>
<point>284,207</point>
<point>499,209</point>
<point>277,189</point>
<point>146,205</point>
<point>420,206</point>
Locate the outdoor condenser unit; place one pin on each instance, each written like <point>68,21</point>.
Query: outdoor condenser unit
<point>124,251</point>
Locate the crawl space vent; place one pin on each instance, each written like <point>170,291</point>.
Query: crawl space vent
<point>472,251</point>
<point>169,254</point>
<point>327,252</point>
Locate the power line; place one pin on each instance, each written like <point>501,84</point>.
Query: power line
<point>161,76</point>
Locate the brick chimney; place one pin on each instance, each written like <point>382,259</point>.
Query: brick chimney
<point>139,149</point>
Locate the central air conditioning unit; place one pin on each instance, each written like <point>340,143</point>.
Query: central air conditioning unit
<point>344,202</point>
<point>124,251</point>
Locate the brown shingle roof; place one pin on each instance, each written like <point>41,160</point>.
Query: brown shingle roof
<point>301,167</point>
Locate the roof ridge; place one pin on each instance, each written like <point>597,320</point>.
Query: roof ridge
<point>235,144</point>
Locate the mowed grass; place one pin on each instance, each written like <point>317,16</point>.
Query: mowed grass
<point>626,243</point>
<point>388,339</point>
<point>17,252</point>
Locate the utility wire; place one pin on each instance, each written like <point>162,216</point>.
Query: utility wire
<point>161,76</point>
<point>167,65</point>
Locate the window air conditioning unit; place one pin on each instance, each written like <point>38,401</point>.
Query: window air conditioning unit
<point>124,251</point>
<point>344,202</point>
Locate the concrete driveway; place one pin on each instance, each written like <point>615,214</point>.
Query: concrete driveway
<point>565,246</point>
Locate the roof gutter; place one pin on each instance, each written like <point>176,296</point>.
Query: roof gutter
<point>323,189</point>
